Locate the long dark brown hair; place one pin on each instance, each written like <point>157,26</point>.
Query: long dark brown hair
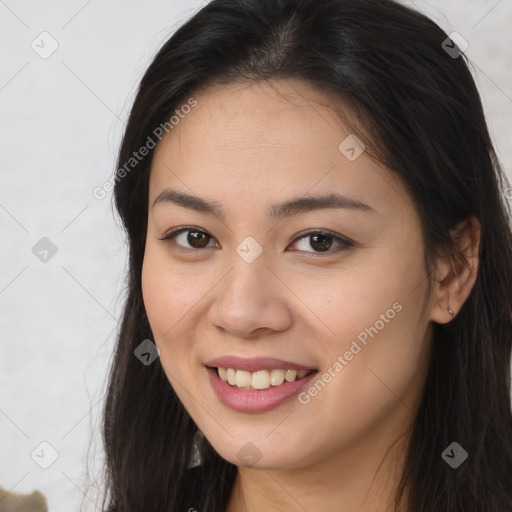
<point>419,112</point>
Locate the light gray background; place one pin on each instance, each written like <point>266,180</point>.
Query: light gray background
<point>61,122</point>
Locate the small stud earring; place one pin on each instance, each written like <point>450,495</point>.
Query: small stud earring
<point>450,311</point>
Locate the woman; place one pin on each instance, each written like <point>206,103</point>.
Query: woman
<point>320,275</point>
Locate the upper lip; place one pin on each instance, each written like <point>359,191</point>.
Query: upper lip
<point>254,364</point>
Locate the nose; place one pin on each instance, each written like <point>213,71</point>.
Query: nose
<point>251,300</point>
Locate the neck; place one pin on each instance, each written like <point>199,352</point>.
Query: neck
<point>361,478</point>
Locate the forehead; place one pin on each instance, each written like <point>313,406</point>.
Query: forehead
<point>272,114</point>
<point>270,138</point>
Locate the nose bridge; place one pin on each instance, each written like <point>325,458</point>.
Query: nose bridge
<point>246,285</point>
<point>250,297</point>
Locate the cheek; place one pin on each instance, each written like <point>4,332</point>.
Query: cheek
<point>156,294</point>
<point>166,299</point>
<point>370,290</point>
<point>163,300</point>
<point>169,293</point>
<point>376,324</point>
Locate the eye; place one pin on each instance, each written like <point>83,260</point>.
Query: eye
<point>320,240</point>
<point>197,238</point>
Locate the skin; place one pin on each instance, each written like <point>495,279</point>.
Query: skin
<point>294,302</point>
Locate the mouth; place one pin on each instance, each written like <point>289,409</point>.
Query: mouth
<point>260,380</point>
<point>257,391</point>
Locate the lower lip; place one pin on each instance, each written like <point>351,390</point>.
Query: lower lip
<point>255,401</point>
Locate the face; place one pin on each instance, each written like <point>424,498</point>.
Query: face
<point>337,287</point>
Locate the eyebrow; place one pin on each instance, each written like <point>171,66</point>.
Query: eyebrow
<point>276,211</point>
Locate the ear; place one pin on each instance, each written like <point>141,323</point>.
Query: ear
<point>455,276</point>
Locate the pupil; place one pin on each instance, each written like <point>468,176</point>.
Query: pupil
<point>194,239</point>
<point>320,246</point>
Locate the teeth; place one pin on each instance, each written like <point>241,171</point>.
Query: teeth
<point>290,375</point>
<point>276,377</point>
<point>230,376</point>
<point>223,373</point>
<point>242,379</point>
<point>261,379</point>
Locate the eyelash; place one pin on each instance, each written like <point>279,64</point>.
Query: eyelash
<point>344,243</point>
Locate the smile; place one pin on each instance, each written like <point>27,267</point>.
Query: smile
<point>266,397</point>
<point>262,379</point>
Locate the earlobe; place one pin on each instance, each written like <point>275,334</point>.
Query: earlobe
<point>456,274</point>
